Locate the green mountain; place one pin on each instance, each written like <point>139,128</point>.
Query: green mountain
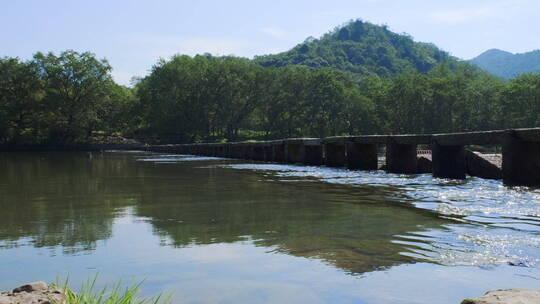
<point>362,48</point>
<point>508,65</point>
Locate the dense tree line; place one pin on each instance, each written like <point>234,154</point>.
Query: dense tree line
<point>59,98</point>
<point>221,97</point>
<point>227,98</point>
<point>68,98</point>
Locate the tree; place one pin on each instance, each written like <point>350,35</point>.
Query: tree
<point>117,112</point>
<point>77,85</point>
<point>521,102</point>
<point>20,93</point>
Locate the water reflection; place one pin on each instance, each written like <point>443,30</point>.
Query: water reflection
<point>302,220</point>
<point>497,224</point>
<point>69,201</point>
<point>173,208</point>
<point>61,199</point>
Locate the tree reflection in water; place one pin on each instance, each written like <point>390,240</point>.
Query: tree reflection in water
<point>70,201</point>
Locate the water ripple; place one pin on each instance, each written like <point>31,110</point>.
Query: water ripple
<point>493,223</point>
<point>496,224</point>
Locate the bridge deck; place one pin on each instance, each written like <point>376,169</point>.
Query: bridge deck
<point>520,159</point>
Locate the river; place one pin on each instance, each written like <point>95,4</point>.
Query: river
<point>212,230</point>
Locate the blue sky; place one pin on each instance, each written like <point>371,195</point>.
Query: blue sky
<point>133,34</point>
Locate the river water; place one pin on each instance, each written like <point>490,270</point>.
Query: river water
<point>212,230</point>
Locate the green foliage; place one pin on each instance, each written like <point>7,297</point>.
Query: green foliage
<point>508,65</point>
<point>116,113</point>
<point>357,79</point>
<point>59,99</point>
<point>364,49</point>
<point>77,86</point>
<point>520,102</point>
<point>225,98</point>
<point>443,100</point>
<point>217,97</point>
<point>64,99</point>
<point>21,91</point>
<point>117,294</point>
<point>193,98</point>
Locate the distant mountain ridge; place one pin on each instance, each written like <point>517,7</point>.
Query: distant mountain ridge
<point>508,65</point>
<point>363,48</point>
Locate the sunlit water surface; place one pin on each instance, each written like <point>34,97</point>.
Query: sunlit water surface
<point>212,230</point>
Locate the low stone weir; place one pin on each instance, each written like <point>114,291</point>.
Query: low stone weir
<point>446,158</point>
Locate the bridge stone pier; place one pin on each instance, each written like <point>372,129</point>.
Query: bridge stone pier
<point>220,150</point>
<point>449,156</point>
<point>212,149</point>
<point>335,154</point>
<point>361,152</point>
<point>235,150</point>
<point>205,149</point>
<point>177,149</point>
<point>401,153</point>
<point>200,149</point>
<point>197,150</point>
<point>448,151</point>
<point>268,152</point>
<point>294,151</point>
<point>246,151</point>
<point>229,150</point>
<point>306,151</point>
<point>401,158</point>
<point>258,152</point>
<point>448,161</point>
<point>279,151</point>
<point>314,153</point>
<point>521,157</point>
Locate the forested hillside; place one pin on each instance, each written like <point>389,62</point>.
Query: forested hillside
<point>364,49</point>
<point>508,65</point>
<point>401,87</point>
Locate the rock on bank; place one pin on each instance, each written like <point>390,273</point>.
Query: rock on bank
<point>507,296</point>
<point>33,293</point>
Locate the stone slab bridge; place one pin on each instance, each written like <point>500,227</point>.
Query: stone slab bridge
<point>449,157</point>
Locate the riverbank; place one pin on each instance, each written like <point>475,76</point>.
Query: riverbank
<point>41,293</point>
<point>507,296</point>
<point>34,293</point>
<point>95,143</point>
<point>74,147</point>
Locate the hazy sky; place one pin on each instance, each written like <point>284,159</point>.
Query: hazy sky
<point>133,34</point>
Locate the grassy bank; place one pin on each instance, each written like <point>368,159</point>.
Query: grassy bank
<point>118,293</point>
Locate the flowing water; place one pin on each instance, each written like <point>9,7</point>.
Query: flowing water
<point>213,230</point>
